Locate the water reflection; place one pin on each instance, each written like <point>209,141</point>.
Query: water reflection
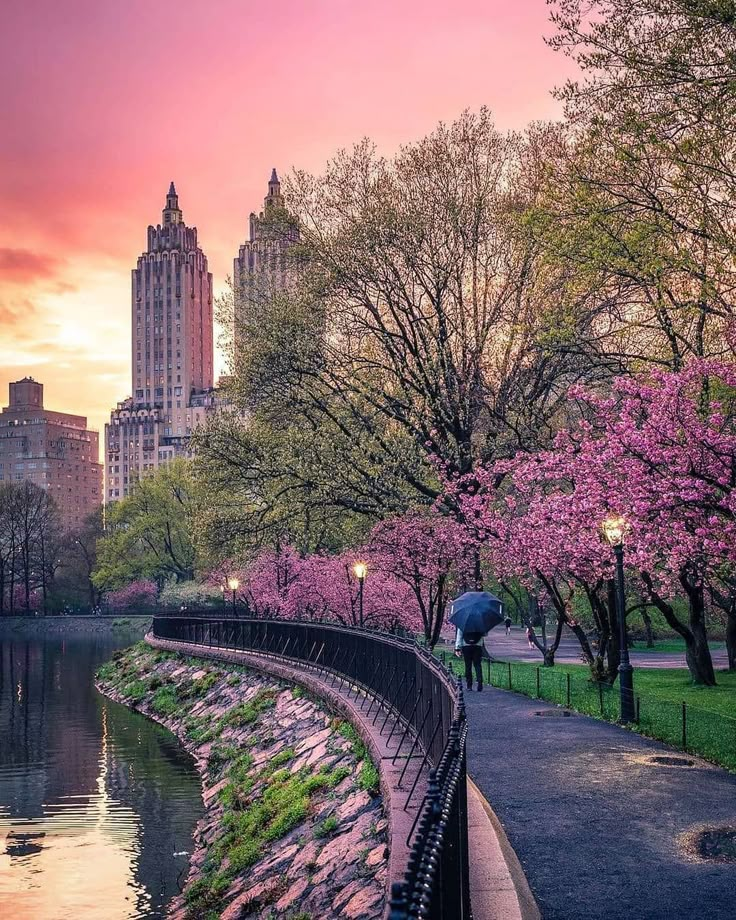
<point>94,800</point>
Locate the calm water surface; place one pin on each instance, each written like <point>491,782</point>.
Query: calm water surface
<point>97,804</point>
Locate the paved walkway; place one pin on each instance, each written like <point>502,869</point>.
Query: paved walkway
<point>516,648</point>
<point>595,825</point>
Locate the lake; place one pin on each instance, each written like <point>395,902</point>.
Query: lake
<point>97,803</point>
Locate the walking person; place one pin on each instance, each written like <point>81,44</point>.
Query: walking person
<point>470,646</point>
<point>530,637</point>
<point>507,624</point>
<point>473,615</point>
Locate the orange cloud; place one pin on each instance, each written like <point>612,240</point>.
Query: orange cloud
<point>21,266</point>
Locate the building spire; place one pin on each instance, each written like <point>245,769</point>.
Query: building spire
<point>172,212</point>
<point>274,191</point>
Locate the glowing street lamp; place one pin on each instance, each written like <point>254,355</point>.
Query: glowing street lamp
<point>360,569</point>
<point>233,584</point>
<point>614,530</point>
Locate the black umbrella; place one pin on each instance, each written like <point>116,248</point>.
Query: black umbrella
<point>476,611</point>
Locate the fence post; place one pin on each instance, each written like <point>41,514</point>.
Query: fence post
<point>638,710</point>
<point>537,681</point>
<point>509,667</point>
<point>684,726</point>
<point>398,902</point>
<point>600,695</point>
<point>568,688</point>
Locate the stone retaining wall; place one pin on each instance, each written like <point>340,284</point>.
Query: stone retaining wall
<point>294,825</point>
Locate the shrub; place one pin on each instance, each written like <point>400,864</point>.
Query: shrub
<point>326,827</point>
<point>135,691</point>
<point>165,701</point>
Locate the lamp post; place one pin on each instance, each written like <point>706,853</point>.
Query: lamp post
<point>233,584</point>
<point>361,570</point>
<point>614,529</point>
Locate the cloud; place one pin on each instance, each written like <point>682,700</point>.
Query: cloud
<point>15,314</point>
<point>21,266</point>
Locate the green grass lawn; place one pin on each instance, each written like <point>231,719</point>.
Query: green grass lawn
<point>671,645</point>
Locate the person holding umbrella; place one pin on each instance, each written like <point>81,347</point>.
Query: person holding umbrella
<point>474,614</point>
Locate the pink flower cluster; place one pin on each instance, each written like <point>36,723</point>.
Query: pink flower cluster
<point>141,593</point>
<point>409,565</point>
<point>660,453</point>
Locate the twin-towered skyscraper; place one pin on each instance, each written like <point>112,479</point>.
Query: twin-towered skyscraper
<point>172,336</point>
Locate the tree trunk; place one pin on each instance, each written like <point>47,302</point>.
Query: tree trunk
<point>731,636</point>
<point>614,646</point>
<point>584,644</point>
<point>697,653</point>
<point>548,652</point>
<point>648,629</point>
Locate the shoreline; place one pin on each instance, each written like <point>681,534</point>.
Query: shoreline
<point>287,825</point>
<point>15,627</point>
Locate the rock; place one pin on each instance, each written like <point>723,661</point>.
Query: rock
<point>293,893</point>
<point>364,903</point>
<point>376,856</point>
<point>259,895</point>
<point>307,855</point>
<point>353,805</point>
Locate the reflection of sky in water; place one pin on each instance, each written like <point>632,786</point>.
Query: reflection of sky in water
<point>94,800</point>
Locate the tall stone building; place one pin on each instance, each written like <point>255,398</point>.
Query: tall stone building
<point>55,450</point>
<point>172,355</point>
<point>263,265</point>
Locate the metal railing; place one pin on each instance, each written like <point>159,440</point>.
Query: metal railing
<point>427,707</point>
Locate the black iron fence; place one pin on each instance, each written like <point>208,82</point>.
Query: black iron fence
<point>426,704</point>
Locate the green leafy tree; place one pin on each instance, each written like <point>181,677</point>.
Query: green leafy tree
<point>149,533</point>
<point>637,218</point>
<point>409,335</point>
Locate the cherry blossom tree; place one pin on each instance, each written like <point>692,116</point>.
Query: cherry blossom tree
<point>427,553</point>
<point>660,452</point>
<point>138,594</point>
<point>328,589</point>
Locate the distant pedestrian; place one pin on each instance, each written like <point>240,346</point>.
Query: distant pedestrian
<point>530,637</point>
<point>470,646</point>
<point>507,624</point>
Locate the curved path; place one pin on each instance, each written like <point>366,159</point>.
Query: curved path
<point>595,824</point>
<point>516,648</point>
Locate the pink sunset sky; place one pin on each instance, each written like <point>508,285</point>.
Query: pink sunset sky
<point>104,103</point>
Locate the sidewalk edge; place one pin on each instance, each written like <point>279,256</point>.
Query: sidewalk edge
<point>529,910</point>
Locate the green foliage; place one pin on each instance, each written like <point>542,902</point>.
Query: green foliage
<point>203,734</point>
<point>283,757</point>
<point>220,755</point>
<point>326,827</point>
<point>368,778</point>
<point>203,685</point>
<point>337,776</point>
<point>135,691</point>
<point>240,768</point>
<point>165,701</point>
<point>253,823</point>
<point>249,712</point>
<point>106,672</point>
<point>148,533</point>
<point>349,732</point>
